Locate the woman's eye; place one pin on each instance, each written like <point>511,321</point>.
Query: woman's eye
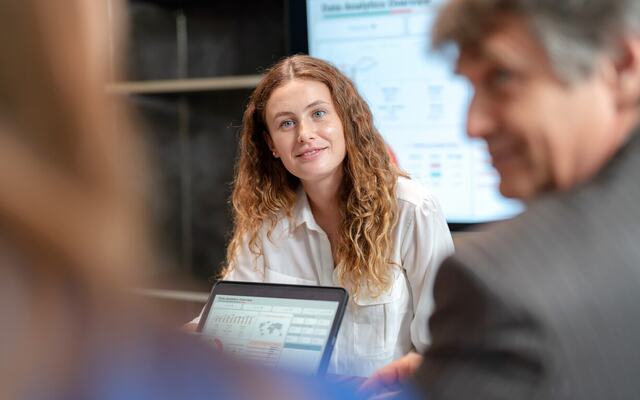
<point>319,114</point>
<point>286,124</point>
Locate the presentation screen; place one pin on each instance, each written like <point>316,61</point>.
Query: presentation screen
<point>419,105</point>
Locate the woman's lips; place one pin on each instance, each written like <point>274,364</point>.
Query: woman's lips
<point>311,154</point>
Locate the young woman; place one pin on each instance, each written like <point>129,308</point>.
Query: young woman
<point>317,201</point>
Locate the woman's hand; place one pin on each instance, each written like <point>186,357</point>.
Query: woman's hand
<point>190,327</point>
<point>391,377</point>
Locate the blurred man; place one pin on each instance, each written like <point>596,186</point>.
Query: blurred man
<point>545,305</point>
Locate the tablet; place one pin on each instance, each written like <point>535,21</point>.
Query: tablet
<point>291,327</point>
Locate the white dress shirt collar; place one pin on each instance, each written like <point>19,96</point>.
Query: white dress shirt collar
<point>302,212</point>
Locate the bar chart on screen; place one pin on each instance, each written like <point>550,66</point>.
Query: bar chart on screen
<point>251,332</point>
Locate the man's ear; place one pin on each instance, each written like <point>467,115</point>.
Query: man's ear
<point>627,73</point>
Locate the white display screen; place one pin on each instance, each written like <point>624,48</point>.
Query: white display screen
<point>418,104</point>
<point>290,334</point>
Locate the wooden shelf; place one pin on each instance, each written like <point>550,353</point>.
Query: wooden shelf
<point>185,85</point>
<point>176,295</point>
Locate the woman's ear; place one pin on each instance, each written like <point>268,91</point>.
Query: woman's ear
<point>267,137</point>
<point>627,73</point>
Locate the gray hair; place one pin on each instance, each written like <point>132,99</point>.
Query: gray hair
<point>572,32</point>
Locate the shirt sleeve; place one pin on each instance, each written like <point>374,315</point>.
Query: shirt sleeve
<point>427,243</point>
<point>248,268</point>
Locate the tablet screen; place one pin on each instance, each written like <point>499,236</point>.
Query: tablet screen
<point>277,332</point>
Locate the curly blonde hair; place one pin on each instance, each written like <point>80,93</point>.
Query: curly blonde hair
<point>264,190</point>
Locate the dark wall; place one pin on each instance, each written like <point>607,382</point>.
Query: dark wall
<point>192,136</point>
<point>223,37</point>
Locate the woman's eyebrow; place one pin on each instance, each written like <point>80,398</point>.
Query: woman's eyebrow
<point>315,103</point>
<point>286,113</point>
<point>281,113</point>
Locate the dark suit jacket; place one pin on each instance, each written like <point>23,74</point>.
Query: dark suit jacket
<point>546,305</point>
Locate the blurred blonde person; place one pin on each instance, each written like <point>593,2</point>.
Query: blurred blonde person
<point>73,234</point>
<point>71,224</point>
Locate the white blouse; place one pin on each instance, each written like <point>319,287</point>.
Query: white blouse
<point>374,331</point>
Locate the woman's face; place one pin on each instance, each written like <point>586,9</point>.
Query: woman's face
<point>305,131</point>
